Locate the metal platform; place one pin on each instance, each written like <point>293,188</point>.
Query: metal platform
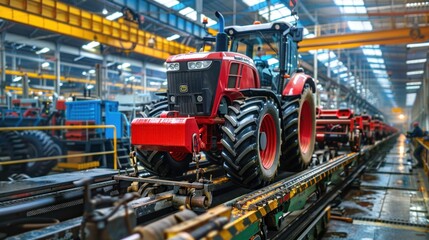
<point>391,203</point>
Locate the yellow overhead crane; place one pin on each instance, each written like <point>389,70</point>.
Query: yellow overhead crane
<point>67,20</point>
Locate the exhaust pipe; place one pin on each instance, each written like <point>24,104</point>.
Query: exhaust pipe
<point>221,37</point>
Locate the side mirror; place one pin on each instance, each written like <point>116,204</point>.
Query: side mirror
<point>297,34</point>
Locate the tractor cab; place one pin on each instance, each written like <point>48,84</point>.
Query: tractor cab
<point>273,48</point>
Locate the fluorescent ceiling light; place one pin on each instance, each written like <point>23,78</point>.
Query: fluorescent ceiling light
<point>375,60</point>
<point>173,37</point>
<point>43,50</point>
<point>104,11</point>
<point>84,73</point>
<point>411,97</point>
<point>416,45</point>
<point>125,65</point>
<point>92,71</point>
<point>114,16</point>
<point>412,87</point>
<point>90,46</point>
<point>371,52</point>
<point>417,4</point>
<point>423,60</point>
<point>89,87</point>
<point>45,65</point>
<point>374,65</point>
<point>413,83</point>
<point>17,79</point>
<point>414,73</point>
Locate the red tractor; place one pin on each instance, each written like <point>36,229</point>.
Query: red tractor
<point>245,111</point>
<point>338,126</point>
<point>368,134</point>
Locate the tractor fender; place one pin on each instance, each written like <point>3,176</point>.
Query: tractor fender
<point>252,92</point>
<point>296,84</point>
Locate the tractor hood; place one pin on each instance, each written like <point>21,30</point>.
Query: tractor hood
<point>210,56</point>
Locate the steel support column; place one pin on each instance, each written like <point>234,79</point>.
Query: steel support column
<point>2,66</point>
<point>57,82</point>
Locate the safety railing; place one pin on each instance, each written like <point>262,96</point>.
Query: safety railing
<point>72,127</point>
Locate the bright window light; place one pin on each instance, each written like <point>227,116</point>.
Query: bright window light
<point>416,45</point>
<point>411,97</point>
<point>168,3</point>
<point>114,16</point>
<point>251,2</point>
<point>43,50</point>
<point>413,83</point>
<point>173,37</point>
<point>414,61</point>
<point>343,75</point>
<point>359,25</point>
<point>412,87</point>
<point>414,73</point>
<point>125,65</point>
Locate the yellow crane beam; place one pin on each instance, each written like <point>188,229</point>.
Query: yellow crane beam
<point>67,20</point>
<point>354,40</point>
<point>71,79</point>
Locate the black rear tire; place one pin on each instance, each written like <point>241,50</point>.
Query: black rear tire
<point>12,148</point>
<point>251,142</point>
<point>297,151</point>
<point>161,163</point>
<point>39,144</point>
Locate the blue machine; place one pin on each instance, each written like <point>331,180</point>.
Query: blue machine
<point>102,112</point>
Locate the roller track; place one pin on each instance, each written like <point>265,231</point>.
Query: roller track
<point>278,210</point>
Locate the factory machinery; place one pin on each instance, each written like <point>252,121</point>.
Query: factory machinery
<point>257,128</point>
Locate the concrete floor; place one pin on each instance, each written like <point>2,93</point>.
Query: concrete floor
<point>391,203</point>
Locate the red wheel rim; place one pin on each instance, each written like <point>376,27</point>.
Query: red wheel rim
<point>178,156</point>
<point>268,154</point>
<point>305,130</point>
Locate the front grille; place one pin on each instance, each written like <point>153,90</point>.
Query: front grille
<point>197,83</point>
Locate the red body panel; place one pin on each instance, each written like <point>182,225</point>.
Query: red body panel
<point>339,122</point>
<point>164,134</point>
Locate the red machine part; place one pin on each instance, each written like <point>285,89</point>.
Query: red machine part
<point>164,134</point>
<point>334,126</point>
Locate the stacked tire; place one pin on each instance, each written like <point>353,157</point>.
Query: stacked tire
<point>28,145</point>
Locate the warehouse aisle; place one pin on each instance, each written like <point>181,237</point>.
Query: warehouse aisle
<point>391,203</point>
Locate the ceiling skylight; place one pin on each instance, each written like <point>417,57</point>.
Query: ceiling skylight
<point>279,11</point>
<point>168,3</point>
<point>359,25</point>
<point>411,97</point>
<point>251,2</point>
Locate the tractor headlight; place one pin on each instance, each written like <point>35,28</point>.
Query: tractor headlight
<point>172,67</point>
<point>197,65</point>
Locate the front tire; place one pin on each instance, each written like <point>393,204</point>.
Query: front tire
<point>251,142</point>
<point>163,164</point>
<point>299,131</point>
